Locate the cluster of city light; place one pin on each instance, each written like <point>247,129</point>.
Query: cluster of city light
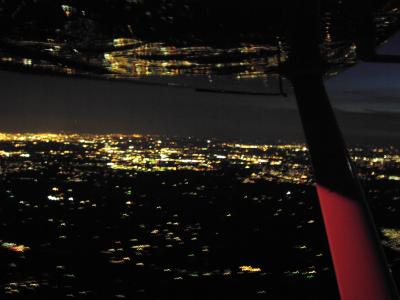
<point>309,273</point>
<point>14,247</point>
<point>378,160</point>
<point>149,154</point>
<point>16,288</point>
<point>94,158</point>
<point>38,137</point>
<point>250,269</point>
<point>144,153</point>
<point>392,238</point>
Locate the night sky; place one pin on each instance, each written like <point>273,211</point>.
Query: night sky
<point>365,97</point>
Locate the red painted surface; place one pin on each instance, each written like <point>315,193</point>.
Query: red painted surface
<point>358,269</point>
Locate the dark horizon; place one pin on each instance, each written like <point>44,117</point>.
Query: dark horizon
<point>91,106</point>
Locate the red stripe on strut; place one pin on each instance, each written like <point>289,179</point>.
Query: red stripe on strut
<point>356,260</point>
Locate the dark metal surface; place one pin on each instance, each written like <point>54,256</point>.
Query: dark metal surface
<point>190,37</point>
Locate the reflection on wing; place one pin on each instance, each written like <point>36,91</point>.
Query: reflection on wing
<point>135,39</point>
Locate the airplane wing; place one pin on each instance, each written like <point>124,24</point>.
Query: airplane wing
<point>129,39</point>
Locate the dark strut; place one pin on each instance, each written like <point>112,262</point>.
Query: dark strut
<point>360,266</point>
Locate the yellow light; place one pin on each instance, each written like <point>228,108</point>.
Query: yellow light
<point>250,269</point>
